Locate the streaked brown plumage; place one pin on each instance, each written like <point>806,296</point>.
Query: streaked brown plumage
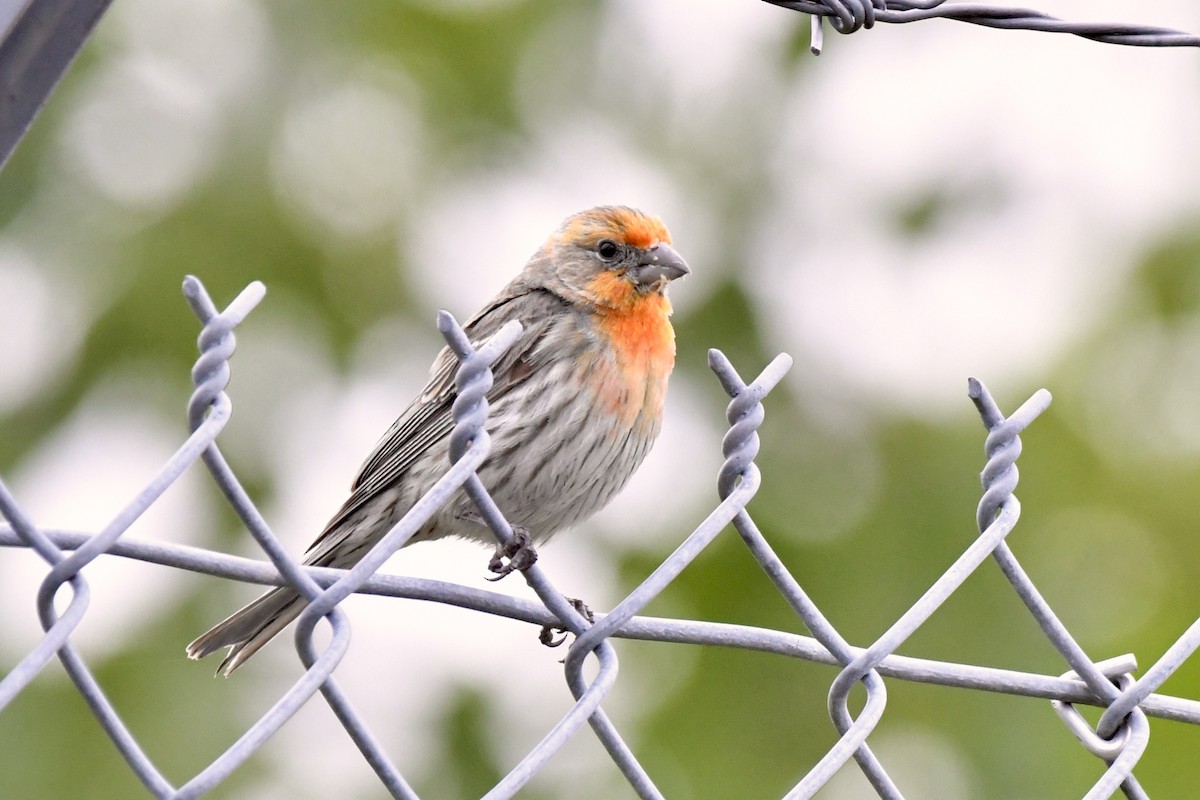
<point>575,406</point>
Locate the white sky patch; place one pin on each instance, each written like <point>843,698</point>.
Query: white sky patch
<point>695,49</point>
<point>347,150</point>
<point>510,213</point>
<point>1151,412</point>
<point>42,325</point>
<point>142,133</point>
<point>148,125</point>
<point>1052,161</point>
<point>908,329</point>
<point>221,48</point>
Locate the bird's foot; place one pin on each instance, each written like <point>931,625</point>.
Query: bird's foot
<point>553,636</point>
<point>519,552</point>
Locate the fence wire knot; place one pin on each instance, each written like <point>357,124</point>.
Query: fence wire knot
<point>1120,671</point>
<point>745,416</point>
<point>473,380</point>
<point>216,343</point>
<point>1002,447</point>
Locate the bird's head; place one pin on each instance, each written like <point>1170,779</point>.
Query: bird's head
<point>609,257</point>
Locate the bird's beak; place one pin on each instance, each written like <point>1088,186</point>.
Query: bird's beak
<point>659,265</point>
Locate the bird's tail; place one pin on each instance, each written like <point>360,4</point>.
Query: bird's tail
<point>248,629</point>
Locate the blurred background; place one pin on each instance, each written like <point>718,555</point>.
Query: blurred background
<point>921,204</point>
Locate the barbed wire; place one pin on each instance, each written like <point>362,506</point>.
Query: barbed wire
<point>1119,739</point>
<point>39,39</point>
<point>848,16</point>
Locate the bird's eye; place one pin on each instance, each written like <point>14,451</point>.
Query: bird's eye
<point>608,249</point>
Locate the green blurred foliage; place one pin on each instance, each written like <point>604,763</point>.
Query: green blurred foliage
<point>733,724</point>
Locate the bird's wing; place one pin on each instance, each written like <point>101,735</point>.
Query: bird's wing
<point>427,419</point>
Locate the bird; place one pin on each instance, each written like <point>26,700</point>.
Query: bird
<point>575,406</point>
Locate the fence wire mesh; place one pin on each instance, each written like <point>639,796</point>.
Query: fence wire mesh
<point>1118,740</point>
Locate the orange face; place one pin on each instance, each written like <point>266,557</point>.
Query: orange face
<point>633,318</point>
<point>640,230</point>
<point>611,290</point>
<point>620,224</point>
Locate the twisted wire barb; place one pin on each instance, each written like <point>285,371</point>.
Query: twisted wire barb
<point>210,384</point>
<point>740,445</point>
<point>1004,510</point>
<point>1002,448</point>
<point>472,382</point>
<point>67,568</point>
<point>469,421</point>
<point>318,669</point>
<point>848,16</point>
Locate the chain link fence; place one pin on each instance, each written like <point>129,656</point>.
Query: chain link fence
<point>1119,739</point>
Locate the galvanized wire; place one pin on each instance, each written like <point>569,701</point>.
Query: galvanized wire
<point>1119,740</point>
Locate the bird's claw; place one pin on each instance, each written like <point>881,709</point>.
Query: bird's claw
<point>519,552</point>
<point>547,634</point>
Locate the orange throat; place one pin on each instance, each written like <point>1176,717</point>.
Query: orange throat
<point>639,332</point>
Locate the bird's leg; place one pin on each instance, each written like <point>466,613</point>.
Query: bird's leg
<point>519,552</point>
<point>547,636</point>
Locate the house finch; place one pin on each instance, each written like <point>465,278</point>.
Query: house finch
<point>575,406</point>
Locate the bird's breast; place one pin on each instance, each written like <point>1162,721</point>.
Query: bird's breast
<point>642,347</point>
